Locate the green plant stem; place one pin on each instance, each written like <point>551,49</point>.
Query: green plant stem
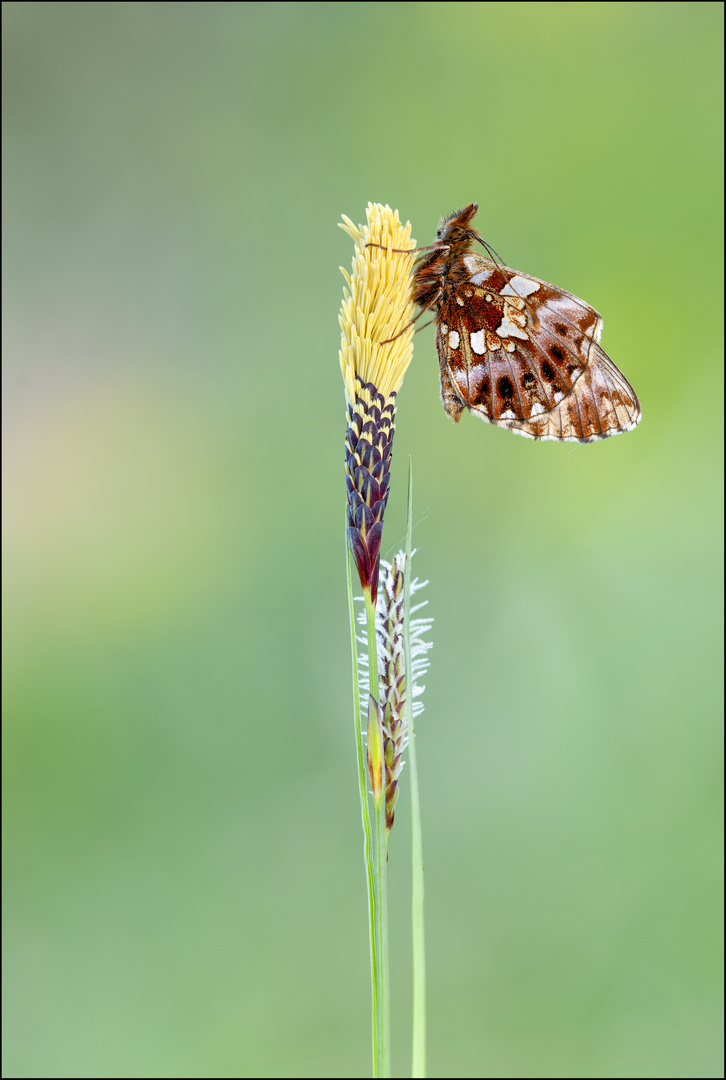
<point>365,815</point>
<point>418,1057</point>
<point>381,867</point>
<point>382,909</point>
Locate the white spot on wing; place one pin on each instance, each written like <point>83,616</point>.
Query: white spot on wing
<point>510,329</point>
<point>519,286</point>
<point>453,340</point>
<point>478,343</point>
<point>559,395</point>
<point>478,267</point>
<point>537,408</point>
<point>576,374</point>
<point>507,415</point>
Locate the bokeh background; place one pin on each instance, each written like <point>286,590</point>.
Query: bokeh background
<point>184,887</point>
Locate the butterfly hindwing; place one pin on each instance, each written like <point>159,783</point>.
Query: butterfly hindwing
<point>521,353</point>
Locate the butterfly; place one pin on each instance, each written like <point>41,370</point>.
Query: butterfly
<point>515,350</point>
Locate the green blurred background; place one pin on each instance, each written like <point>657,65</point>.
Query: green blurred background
<point>184,884</point>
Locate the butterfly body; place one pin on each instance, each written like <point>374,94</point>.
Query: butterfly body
<point>515,350</point>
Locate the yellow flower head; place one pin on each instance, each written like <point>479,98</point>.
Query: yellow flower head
<point>379,305</point>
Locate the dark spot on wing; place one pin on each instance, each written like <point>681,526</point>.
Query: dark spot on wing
<point>505,388</point>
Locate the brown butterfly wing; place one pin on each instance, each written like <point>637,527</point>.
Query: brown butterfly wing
<point>525,355</point>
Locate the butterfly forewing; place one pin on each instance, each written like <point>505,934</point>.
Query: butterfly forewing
<point>518,351</point>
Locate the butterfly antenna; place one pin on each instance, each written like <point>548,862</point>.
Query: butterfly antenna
<point>490,251</point>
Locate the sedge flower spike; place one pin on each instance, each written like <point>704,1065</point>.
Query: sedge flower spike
<point>394,682</point>
<point>376,320</point>
<point>392,678</point>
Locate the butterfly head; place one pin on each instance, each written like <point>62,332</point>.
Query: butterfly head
<point>453,240</point>
<point>455,229</point>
